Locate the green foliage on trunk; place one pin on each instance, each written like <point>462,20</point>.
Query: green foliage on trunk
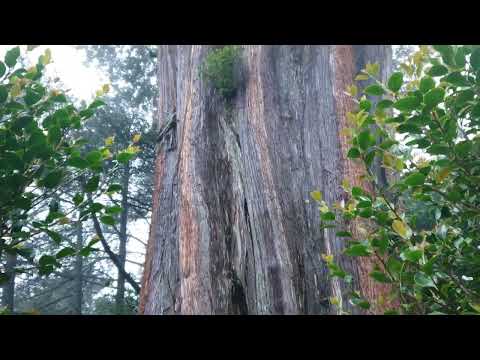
<point>218,69</point>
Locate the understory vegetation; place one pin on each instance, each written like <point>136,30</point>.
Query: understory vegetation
<point>422,228</point>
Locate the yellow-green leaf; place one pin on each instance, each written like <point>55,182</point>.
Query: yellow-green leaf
<point>136,138</point>
<point>402,229</point>
<point>316,195</point>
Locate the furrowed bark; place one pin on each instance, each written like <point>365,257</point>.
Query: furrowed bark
<point>231,231</point>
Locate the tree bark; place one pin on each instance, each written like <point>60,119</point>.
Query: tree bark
<point>122,252</point>
<point>231,232</point>
<point>78,275</point>
<point>8,293</point>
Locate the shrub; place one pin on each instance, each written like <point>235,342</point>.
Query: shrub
<point>40,153</point>
<point>433,268</point>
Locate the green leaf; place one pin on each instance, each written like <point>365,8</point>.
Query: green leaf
<point>47,260</point>
<point>96,207</point>
<point>438,149</point>
<point>78,199</point>
<point>108,220</point>
<point>395,82</point>
<point>124,157</point>
<point>96,103</point>
<point>78,162</point>
<point>3,94</point>
<point>415,179</point>
<point>113,209</point>
<point>353,153</point>
<point>438,70</point>
<point>23,203</point>
<point>365,140</point>
<point>54,135</point>
<point>384,104</point>
<point>3,69</point>
<point>94,157</point>
<point>343,234</point>
<point>66,251</point>
<point>356,191</point>
<point>114,188</point>
<point>92,184</point>
<point>357,250</point>
<point>407,104</point>
<point>11,56</point>
<point>32,97</point>
<point>374,90</point>
<point>426,84</point>
<point>328,216</point>
<point>364,304</point>
<point>456,78</point>
<point>380,277</point>
<point>365,105</point>
<point>460,57</point>
<point>393,265</point>
<point>413,255</point>
<point>55,236</point>
<point>53,179</point>
<point>423,280</point>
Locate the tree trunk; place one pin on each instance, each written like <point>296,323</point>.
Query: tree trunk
<point>122,252</point>
<point>231,231</point>
<point>78,275</point>
<point>8,293</point>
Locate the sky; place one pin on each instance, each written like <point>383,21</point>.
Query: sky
<point>69,65</point>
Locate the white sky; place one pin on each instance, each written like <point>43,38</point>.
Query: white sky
<point>68,64</point>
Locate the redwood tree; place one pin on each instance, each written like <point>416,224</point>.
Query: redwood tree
<point>231,231</point>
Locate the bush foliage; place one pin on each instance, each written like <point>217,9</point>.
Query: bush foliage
<point>433,267</point>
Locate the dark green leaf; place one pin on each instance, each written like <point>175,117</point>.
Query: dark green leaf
<point>108,220</point>
<point>395,82</point>
<point>357,250</point>
<point>426,84</point>
<point>415,179</point>
<point>374,90</point>
<point>407,104</point>
<point>380,277</point>
<point>11,56</point>
<point>66,251</point>
<point>353,153</point>
<point>92,184</point>
<point>438,70</point>
<point>3,69</point>
<point>53,179</point>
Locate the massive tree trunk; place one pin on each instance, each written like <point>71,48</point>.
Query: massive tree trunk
<point>231,231</point>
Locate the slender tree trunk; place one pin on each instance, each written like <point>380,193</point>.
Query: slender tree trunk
<point>122,253</point>
<point>78,275</point>
<point>231,232</point>
<point>8,294</point>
